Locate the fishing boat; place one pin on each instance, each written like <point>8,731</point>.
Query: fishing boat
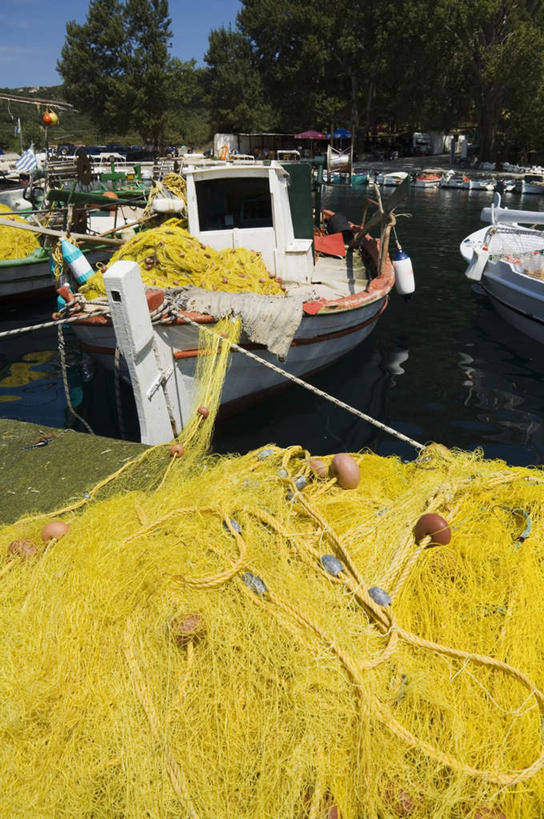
<point>331,303</point>
<point>29,277</point>
<point>391,179</point>
<point>428,179</point>
<point>506,259</point>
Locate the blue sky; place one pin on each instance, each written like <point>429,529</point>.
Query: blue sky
<point>33,33</point>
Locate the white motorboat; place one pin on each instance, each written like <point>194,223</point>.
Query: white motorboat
<point>336,301</point>
<point>391,179</point>
<point>477,184</point>
<point>453,180</point>
<point>507,261</point>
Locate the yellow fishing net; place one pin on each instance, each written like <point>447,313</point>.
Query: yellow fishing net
<point>14,243</point>
<point>211,638</point>
<point>169,256</point>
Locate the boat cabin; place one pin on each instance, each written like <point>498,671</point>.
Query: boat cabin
<point>230,206</point>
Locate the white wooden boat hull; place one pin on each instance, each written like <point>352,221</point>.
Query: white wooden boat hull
<point>533,188</point>
<point>25,281</point>
<point>427,183</point>
<point>320,341</point>
<point>479,185</point>
<point>32,279</point>
<point>518,298</point>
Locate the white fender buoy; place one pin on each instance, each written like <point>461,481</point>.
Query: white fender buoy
<point>476,266</point>
<point>404,273</point>
<point>76,261</point>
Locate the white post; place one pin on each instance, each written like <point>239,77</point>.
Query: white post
<point>150,365</point>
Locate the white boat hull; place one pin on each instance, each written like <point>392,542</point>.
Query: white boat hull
<point>320,341</point>
<point>518,298</point>
<point>504,249</point>
<point>31,279</point>
<point>533,188</point>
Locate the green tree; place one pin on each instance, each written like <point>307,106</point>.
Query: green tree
<point>116,65</point>
<point>234,89</point>
<point>500,45</point>
<point>149,70</point>
<point>93,65</point>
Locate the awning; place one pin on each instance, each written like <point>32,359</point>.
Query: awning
<point>311,134</point>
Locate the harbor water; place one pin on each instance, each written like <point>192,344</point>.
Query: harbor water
<point>441,367</point>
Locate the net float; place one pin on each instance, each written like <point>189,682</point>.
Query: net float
<point>54,529</point>
<point>318,467</point>
<point>435,526</point>
<point>177,450</point>
<point>22,548</point>
<point>204,411</point>
<point>346,470</point>
<point>187,628</point>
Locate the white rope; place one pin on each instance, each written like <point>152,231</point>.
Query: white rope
<point>306,385</point>
<point>31,327</point>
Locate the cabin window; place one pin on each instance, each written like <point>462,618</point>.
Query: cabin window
<point>224,204</point>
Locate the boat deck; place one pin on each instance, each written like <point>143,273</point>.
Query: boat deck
<point>340,277</point>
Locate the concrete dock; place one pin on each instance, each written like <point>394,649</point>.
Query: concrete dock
<point>43,468</point>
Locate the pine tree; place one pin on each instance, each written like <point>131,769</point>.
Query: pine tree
<point>116,66</point>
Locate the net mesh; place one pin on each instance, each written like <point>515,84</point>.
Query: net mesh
<point>185,650</point>
<point>169,256</point>
<point>14,243</point>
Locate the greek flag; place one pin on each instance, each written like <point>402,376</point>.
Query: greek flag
<point>27,160</point>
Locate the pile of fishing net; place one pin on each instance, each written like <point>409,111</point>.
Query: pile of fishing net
<point>248,636</point>
<point>15,243</point>
<point>169,256</point>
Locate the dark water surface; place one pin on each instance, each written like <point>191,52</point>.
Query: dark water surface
<point>442,367</point>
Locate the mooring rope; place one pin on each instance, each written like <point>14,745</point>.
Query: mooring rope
<point>310,387</point>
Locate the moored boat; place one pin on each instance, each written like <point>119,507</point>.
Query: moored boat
<point>507,261</point>
<point>532,184</point>
<point>330,304</point>
<point>391,179</point>
<point>428,179</point>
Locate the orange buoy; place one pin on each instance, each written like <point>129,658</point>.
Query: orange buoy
<point>54,529</point>
<point>346,470</point>
<point>22,548</point>
<point>434,525</point>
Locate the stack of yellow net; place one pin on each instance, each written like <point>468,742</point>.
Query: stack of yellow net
<point>184,649</point>
<point>169,256</point>
<point>14,243</point>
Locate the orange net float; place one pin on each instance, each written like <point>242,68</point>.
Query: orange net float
<point>111,195</point>
<point>434,526</point>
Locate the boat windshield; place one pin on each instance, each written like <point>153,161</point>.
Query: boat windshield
<point>244,202</point>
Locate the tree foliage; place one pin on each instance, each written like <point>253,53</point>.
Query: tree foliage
<point>116,65</point>
<point>408,65</point>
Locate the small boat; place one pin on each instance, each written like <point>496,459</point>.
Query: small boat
<point>391,179</point>
<point>29,277</point>
<point>330,305</point>
<point>532,184</point>
<point>453,180</point>
<point>507,261</point>
<point>477,184</point>
<point>428,179</point>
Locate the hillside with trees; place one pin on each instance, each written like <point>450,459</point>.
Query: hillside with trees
<point>367,66</point>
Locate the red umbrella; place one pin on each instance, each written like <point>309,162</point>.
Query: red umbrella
<point>311,134</point>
